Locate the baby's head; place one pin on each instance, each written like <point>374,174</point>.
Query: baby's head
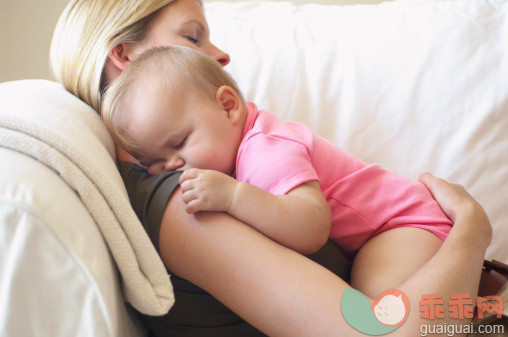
<point>175,107</point>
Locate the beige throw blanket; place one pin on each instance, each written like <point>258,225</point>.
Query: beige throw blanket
<point>42,120</point>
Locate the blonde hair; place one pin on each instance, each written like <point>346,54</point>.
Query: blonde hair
<point>85,34</point>
<point>156,71</point>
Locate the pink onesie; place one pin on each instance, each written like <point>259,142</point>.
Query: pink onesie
<point>365,200</point>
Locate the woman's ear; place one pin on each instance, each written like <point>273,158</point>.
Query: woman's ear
<point>229,101</point>
<point>119,56</point>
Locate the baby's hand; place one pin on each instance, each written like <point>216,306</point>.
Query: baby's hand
<point>207,190</point>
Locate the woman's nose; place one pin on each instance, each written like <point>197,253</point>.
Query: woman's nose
<point>221,57</point>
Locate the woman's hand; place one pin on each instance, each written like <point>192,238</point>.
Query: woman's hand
<point>468,215</point>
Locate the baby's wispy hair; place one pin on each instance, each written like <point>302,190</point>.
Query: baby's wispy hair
<point>154,72</point>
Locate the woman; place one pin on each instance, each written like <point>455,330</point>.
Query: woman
<point>275,289</point>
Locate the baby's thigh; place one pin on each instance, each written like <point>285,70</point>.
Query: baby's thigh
<point>390,258</point>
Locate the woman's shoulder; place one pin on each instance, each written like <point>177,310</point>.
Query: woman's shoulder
<point>148,194</point>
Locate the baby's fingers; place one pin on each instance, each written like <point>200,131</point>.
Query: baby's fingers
<point>188,179</point>
<point>189,174</point>
<point>187,185</point>
<point>188,196</point>
<point>192,202</point>
<point>194,206</point>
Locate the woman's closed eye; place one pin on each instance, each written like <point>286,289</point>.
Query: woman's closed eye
<point>192,39</point>
<point>192,35</point>
<point>193,31</point>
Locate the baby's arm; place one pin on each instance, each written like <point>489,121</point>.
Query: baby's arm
<point>299,220</point>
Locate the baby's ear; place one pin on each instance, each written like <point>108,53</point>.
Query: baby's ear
<point>230,102</point>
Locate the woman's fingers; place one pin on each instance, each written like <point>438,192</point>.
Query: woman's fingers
<point>456,202</point>
<point>449,196</point>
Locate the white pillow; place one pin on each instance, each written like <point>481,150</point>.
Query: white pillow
<point>413,85</point>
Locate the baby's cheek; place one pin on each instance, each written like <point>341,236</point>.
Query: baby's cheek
<point>212,159</point>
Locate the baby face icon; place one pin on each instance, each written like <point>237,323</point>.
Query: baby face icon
<point>391,307</point>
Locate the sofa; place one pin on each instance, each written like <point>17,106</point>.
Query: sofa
<point>415,86</point>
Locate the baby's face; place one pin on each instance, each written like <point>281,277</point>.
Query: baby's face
<point>182,130</point>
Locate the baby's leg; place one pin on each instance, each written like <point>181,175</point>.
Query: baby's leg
<point>414,261</point>
<point>390,258</point>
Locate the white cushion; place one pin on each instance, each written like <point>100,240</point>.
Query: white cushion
<point>412,85</point>
<point>43,120</point>
<point>57,276</point>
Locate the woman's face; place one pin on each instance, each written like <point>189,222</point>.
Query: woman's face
<point>181,23</point>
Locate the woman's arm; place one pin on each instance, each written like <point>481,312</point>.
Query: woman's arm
<point>277,290</point>
<point>283,293</point>
<point>299,220</point>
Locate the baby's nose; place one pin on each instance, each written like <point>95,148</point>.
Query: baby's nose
<point>174,164</point>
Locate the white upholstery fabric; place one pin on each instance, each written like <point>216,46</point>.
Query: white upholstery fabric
<point>42,120</point>
<point>57,276</point>
<point>414,85</point>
